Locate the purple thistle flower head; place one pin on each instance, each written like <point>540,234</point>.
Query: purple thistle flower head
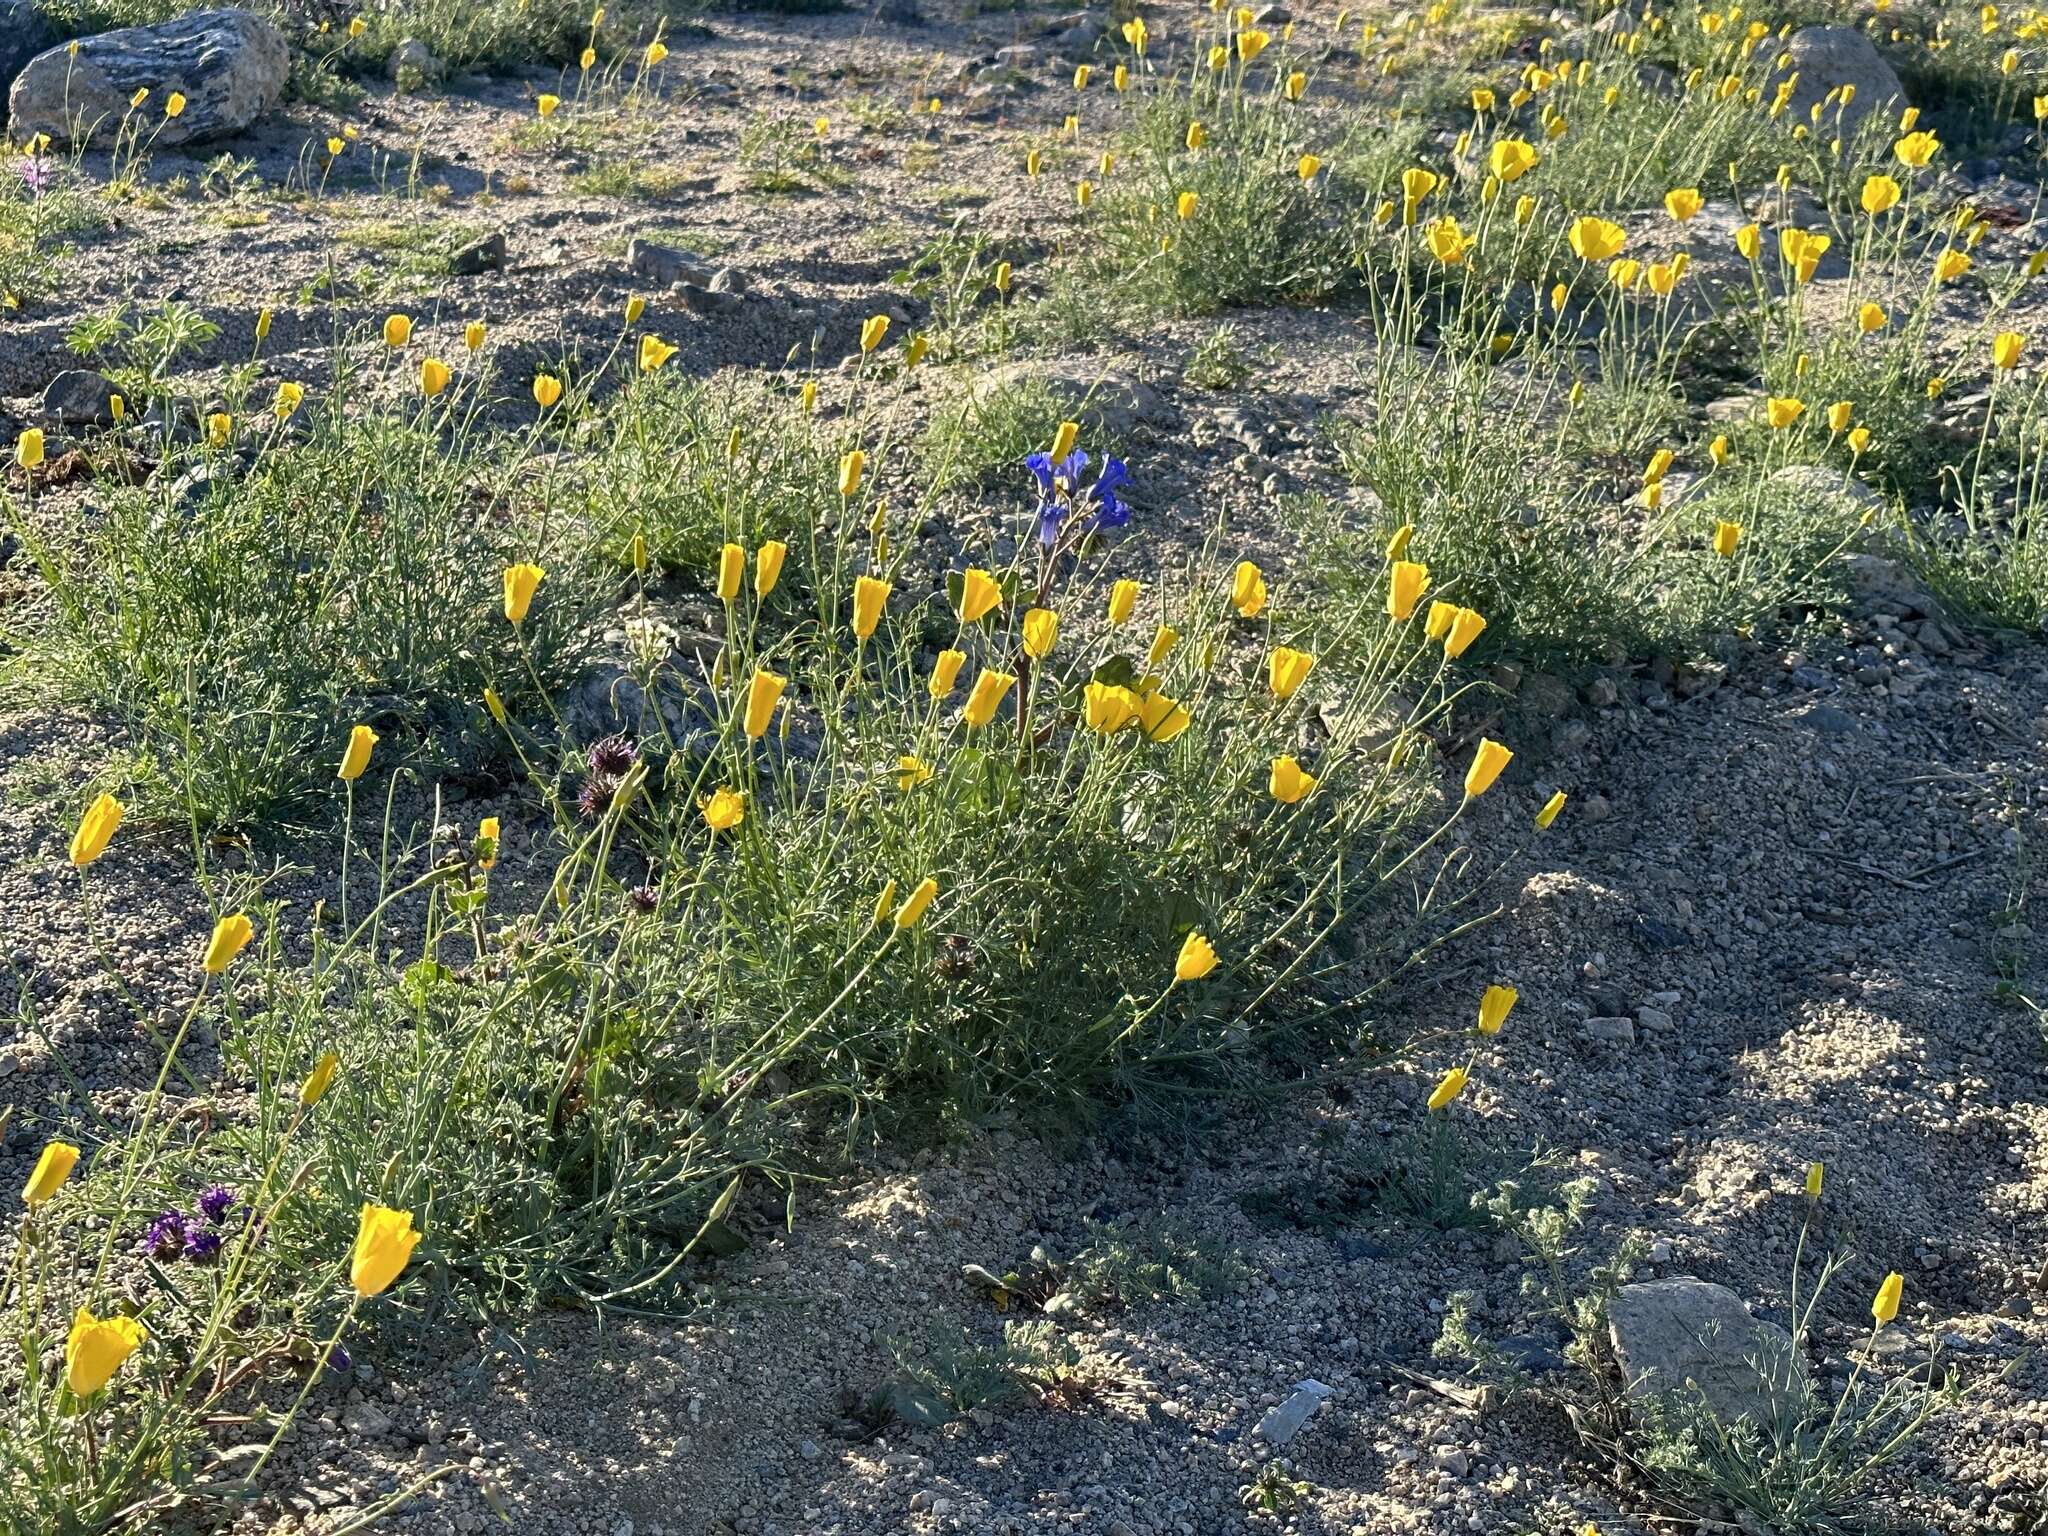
<point>216,1202</point>
<point>595,798</point>
<point>612,756</point>
<point>166,1236</point>
<point>643,898</point>
<point>201,1246</point>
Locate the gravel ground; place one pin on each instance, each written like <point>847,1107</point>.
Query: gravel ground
<point>1766,932</point>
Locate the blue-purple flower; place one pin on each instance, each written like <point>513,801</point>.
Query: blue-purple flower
<point>1062,496</point>
<point>216,1202</point>
<point>165,1238</point>
<point>201,1245</point>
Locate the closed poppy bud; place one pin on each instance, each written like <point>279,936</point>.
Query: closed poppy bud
<point>487,843</point>
<point>1307,166</point>
<point>763,694</point>
<point>1287,782</point>
<point>1108,708</point>
<point>1750,241</point>
<point>397,330</point>
<point>917,903</point>
<point>1438,622</point>
<point>230,935</point>
<point>1839,414</point>
<point>1466,627</point>
<point>989,689</point>
<point>96,1348</point>
<point>1717,450</point>
<point>1525,210</point>
<point>1406,583</point>
<point>521,582</point>
<point>1886,1305</point>
<point>945,671</point>
<point>722,809</point>
<point>263,319</point>
<point>2005,349</point>
<point>1814,1175</point>
<point>117,408</point>
<point>1397,546</point>
<point>1494,1005</point>
<point>732,565</point>
<point>1782,410</point>
<point>1041,630</point>
<point>357,755</point>
<point>434,376</point>
<point>1449,1088</point>
<point>319,1080</point>
<point>1487,763</point>
<point>1548,814</point>
<point>869,595</point>
<point>51,1170</point>
<point>1248,590</point>
<point>1063,440</point>
<point>872,330</point>
<point>1161,718</point>
<point>1197,136</point>
<point>884,903</point>
<point>1858,439</point>
<point>547,389</point>
<point>1197,958</point>
<point>653,353</point>
<point>174,104</point>
<point>1082,193</point>
<point>1287,669</point>
<point>1683,202</point>
<point>96,829</point>
<point>1184,205</point>
<point>220,426</point>
<point>656,52</point>
<point>1123,601</point>
<point>1081,72</point>
<point>979,595</point>
<point>768,566</point>
<point>546,103</point>
<point>1726,537</point>
<point>385,1240</point>
<point>1164,639</point>
<point>851,469</point>
<point>1297,84</point>
<point>495,705</point>
<point>473,335</point>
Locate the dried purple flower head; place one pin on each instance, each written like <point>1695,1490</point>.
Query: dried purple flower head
<point>201,1245</point>
<point>612,756</point>
<point>595,798</point>
<point>338,1360</point>
<point>216,1202</point>
<point>166,1236</point>
<point>643,898</point>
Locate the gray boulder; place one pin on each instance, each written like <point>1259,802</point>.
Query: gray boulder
<point>78,397</point>
<point>1824,58</point>
<point>229,65</point>
<point>1107,402</point>
<point>24,33</point>
<point>1688,1339</point>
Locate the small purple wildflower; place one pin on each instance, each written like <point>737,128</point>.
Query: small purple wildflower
<point>201,1245</point>
<point>1062,496</point>
<point>166,1236</point>
<point>38,174</point>
<point>338,1361</point>
<point>215,1204</point>
<point>643,898</point>
<point>612,756</point>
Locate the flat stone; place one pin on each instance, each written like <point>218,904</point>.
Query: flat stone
<point>1283,1422</point>
<point>485,255</point>
<point>79,397</point>
<point>1687,1337</point>
<point>664,265</point>
<point>230,66</point>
